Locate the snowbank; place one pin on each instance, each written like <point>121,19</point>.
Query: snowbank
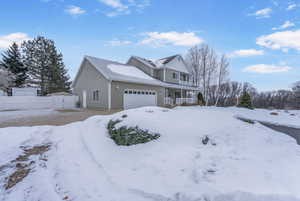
<point>245,162</point>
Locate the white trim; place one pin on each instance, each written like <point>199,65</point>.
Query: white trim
<point>109,95</point>
<point>84,94</point>
<point>164,74</point>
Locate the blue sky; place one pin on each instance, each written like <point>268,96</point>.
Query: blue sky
<point>261,37</point>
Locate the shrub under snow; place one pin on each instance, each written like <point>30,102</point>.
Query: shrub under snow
<point>127,136</point>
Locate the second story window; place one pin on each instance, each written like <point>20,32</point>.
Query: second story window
<point>184,77</point>
<point>175,76</point>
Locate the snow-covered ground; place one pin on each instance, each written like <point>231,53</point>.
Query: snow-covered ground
<point>241,162</point>
<point>17,115</point>
<point>282,117</point>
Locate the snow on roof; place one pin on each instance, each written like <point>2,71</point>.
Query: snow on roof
<point>115,71</point>
<point>146,61</point>
<point>165,63</point>
<point>120,72</point>
<point>129,71</point>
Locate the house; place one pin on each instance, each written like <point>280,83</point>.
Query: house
<point>26,91</point>
<point>2,93</point>
<point>107,85</point>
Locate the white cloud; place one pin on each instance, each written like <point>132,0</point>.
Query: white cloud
<point>121,7</point>
<point>7,40</point>
<point>283,40</point>
<point>116,42</point>
<point>246,53</point>
<point>263,13</point>
<point>114,4</point>
<point>266,69</point>
<point>75,10</point>
<point>171,38</point>
<point>286,24</point>
<point>291,7</point>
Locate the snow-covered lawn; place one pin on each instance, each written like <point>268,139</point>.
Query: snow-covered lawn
<point>282,117</point>
<point>240,162</point>
<point>16,115</point>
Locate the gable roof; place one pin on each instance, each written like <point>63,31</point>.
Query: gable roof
<point>167,62</point>
<point>147,62</point>
<point>115,71</point>
<point>167,59</point>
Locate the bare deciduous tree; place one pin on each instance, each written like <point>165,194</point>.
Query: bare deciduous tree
<point>207,69</point>
<point>222,76</point>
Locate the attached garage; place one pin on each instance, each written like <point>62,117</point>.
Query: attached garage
<point>110,85</point>
<point>137,98</point>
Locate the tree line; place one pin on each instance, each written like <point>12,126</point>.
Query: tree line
<point>211,73</point>
<point>35,63</point>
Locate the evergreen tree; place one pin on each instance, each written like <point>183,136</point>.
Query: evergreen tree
<point>45,65</point>
<point>12,61</point>
<point>246,101</point>
<point>58,74</point>
<point>201,100</point>
<point>296,92</point>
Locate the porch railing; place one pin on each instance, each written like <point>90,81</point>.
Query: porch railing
<point>180,101</point>
<point>186,83</point>
<point>169,101</point>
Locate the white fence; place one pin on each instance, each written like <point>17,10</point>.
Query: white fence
<point>37,102</point>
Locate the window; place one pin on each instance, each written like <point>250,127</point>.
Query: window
<point>175,76</point>
<point>96,95</point>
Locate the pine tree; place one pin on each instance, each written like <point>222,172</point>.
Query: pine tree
<point>296,94</point>
<point>58,74</point>
<point>246,101</point>
<point>201,100</point>
<point>45,64</point>
<point>12,61</point>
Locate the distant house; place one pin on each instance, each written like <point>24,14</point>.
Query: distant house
<point>27,91</point>
<point>2,93</point>
<point>106,84</point>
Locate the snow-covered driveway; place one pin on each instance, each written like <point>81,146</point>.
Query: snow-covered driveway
<point>240,162</point>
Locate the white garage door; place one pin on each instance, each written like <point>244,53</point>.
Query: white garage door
<point>138,98</point>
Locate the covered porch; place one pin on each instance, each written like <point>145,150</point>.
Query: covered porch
<point>174,96</point>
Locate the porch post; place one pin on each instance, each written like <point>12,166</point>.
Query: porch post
<point>181,96</point>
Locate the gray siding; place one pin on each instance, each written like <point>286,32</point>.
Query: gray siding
<point>141,66</point>
<point>159,74</point>
<point>117,91</point>
<point>169,76</point>
<point>89,79</point>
